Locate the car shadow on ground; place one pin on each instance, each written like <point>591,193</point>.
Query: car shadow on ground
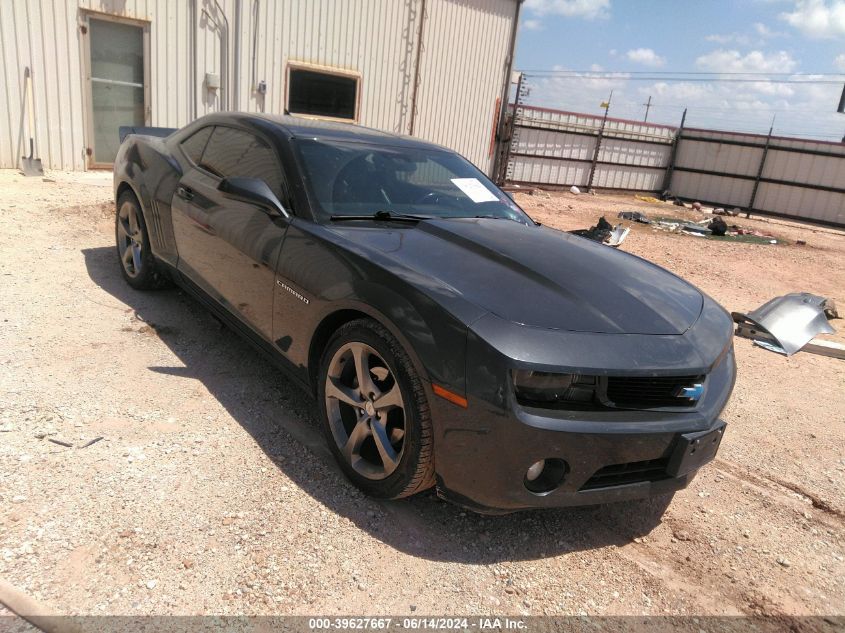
<point>277,414</point>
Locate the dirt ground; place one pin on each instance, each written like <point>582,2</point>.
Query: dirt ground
<point>211,490</point>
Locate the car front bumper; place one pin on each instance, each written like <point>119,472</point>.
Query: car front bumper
<point>483,452</point>
<point>486,471</point>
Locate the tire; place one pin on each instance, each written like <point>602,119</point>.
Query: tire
<point>134,254</point>
<point>357,429</point>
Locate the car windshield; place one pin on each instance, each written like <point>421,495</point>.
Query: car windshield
<point>354,179</point>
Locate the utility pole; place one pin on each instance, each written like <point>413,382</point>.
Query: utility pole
<point>760,170</point>
<point>647,108</point>
<point>670,168</point>
<point>606,106</point>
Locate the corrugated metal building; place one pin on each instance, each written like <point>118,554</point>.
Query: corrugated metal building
<point>437,69</point>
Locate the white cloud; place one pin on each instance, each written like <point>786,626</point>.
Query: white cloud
<point>646,57</point>
<point>765,32</point>
<point>817,18</point>
<point>532,25</point>
<point>581,92</point>
<point>801,109</point>
<point>757,36</point>
<point>839,62</point>
<point>729,38</point>
<point>731,61</point>
<point>587,9</point>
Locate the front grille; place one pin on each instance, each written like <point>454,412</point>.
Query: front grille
<point>636,392</point>
<point>630,473</point>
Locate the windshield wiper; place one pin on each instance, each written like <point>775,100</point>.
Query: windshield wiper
<point>382,215</point>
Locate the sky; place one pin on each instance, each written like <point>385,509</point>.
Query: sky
<point>574,52</point>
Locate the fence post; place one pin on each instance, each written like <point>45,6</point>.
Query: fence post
<point>670,168</point>
<point>759,174</point>
<point>598,144</point>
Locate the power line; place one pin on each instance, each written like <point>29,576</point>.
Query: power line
<point>694,79</point>
<point>729,107</point>
<point>679,72</point>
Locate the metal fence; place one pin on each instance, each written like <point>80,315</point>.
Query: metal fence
<point>789,177</point>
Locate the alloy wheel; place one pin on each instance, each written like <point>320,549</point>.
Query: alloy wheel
<point>366,410</point>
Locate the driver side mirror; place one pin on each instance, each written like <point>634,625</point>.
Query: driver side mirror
<point>252,190</point>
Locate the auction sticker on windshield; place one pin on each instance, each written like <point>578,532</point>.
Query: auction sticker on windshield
<point>474,189</point>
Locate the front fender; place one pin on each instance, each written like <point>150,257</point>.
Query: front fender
<point>333,280</point>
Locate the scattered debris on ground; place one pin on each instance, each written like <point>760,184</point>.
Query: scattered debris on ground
<point>718,227</point>
<point>604,232</point>
<point>634,216</point>
<point>703,228</point>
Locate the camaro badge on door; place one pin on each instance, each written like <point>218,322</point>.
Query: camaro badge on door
<point>293,292</point>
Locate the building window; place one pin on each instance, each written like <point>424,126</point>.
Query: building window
<point>322,93</point>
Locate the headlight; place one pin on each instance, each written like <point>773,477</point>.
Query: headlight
<point>544,388</point>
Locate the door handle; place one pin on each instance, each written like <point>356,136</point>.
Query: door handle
<point>186,193</point>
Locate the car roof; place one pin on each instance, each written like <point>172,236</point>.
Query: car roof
<point>304,127</point>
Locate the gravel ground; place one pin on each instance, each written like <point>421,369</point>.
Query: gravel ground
<point>211,490</point>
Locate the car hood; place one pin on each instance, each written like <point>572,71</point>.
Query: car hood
<point>536,276</point>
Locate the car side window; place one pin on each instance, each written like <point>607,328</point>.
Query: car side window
<point>194,145</point>
<point>232,152</point>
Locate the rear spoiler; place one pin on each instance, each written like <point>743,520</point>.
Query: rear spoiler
<point>125,130</point>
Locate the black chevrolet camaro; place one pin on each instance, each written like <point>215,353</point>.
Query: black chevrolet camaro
<point>449,340</point>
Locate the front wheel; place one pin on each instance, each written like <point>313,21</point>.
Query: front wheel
<point>375,413</point>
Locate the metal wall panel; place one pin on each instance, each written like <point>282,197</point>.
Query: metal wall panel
<point>553,147</point>
<point>823,206</point>
<point>713,156</point>
<point>365,38</point>
<point>729,192</point>
<point>46,36</point>
<point>632,155</point>
<point>545,171</point>
<point>820,164</point>
<point>462,73</point>
<point>811,169</point>
<point>628,178</point>
<point>462,64</point>
<point>554,144</point>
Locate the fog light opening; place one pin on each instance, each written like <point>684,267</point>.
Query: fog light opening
<point>544,476</point>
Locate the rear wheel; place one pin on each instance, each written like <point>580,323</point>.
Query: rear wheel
<point>375,413</point>
<point>137,264</point>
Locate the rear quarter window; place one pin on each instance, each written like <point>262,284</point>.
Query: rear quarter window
<point>194,145</point>
<point>232,152</point>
